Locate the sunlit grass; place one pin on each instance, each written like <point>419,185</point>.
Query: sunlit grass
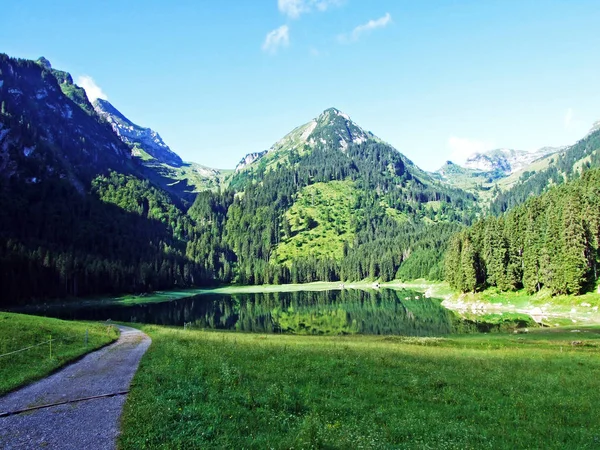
<point>198,389</point>
<point>320,222</point>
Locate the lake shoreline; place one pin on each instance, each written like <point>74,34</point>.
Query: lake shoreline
<point>545,310</point>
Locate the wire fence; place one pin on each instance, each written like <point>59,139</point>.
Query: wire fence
<point>49,342</point>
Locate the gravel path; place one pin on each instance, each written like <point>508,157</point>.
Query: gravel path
<point>88,424</point>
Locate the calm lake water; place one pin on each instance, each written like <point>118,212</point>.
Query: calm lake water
<point>348,311</point>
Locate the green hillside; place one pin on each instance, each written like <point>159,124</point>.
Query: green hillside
<point>289,219</point>
<point>184,180</point>
<point>319,223</point>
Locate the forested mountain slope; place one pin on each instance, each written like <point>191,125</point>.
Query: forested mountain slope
<point>330,201</point>
<point>76,215</point>
<point>551,241</point>
<point>157,161</point>
<point>45,134</point>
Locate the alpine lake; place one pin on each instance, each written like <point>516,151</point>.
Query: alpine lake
<point>331,312</point>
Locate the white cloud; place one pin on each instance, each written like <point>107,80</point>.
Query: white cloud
<point>279,37</point>
<point>295,8</point>
<point>569,118</point>
<point>462,148</point>
<point>92,90</point>
<point>365,28</point>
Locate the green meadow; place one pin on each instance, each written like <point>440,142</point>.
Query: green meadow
<point>207,389</point>
<point>18,331</point>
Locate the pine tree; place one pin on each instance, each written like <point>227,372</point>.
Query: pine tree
<point>531,252</point>
<point>575,246</point>
<point>452,263</point>
<point>552,250</point>
<point>468,267</point>
<point>514,236</point>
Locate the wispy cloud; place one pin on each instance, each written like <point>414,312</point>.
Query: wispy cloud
<point>365,28</point>
<point>92,90</point>
<point>279,37</point>
<point>295,8</point>
<point>568,121</point>
<point>462,148</point>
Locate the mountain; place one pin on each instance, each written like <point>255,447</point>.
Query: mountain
<point>332,201</point>
<point>595,127</point>
<point>81,215</point>
<point>158,162</point>
<point>145,139</point>
<point>249,159</point>
<point>91,203</point>
<point>77,215</point>
<point>332,130</point>
<point>505,161</point>
<point>555,169</point>
<point>44,133</point>
<point>486,174</point>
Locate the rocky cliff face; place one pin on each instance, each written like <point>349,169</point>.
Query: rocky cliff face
<point>249,159</point>
<point>132,134</point>
<point>48,128</point>
<point>506,161</point>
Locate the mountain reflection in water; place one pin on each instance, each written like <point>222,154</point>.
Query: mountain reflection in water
<point>348,311</point>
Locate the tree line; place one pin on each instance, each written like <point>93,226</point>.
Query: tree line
<point>551,241</point>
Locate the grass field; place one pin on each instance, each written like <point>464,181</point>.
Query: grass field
<point>199,389</point>
<point>18,331</point>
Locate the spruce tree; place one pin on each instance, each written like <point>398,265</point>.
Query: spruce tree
<point>531,252</point>
<point>453,266</point>
<point>575,266</point>
<point>468,267</point>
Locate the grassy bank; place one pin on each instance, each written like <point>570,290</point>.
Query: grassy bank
<point>18,331</point>
<point>233,390</point>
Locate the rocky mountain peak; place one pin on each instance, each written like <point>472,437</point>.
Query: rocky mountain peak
<point>335,129</point>
<point>145,138</point>
<point>332,129</point>
<point>249,159</point>
<point>332,113</point>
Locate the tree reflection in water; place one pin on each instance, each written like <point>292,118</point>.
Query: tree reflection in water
<point>348,311</point>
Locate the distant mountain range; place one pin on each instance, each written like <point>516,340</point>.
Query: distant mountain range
<point>506,161</point>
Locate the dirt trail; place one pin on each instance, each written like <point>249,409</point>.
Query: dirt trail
<point>86,424</point>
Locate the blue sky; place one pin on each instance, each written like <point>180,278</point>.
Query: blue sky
<point>436,79</point>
